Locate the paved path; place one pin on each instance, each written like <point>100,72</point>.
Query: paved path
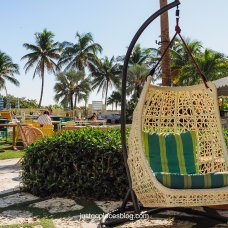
<point>9,175</point>
<point>16,208</point>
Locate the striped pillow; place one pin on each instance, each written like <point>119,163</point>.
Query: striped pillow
<point>193,181</point>
<point>171,153</point>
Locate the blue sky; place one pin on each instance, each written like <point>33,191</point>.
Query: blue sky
<point>112,23</point>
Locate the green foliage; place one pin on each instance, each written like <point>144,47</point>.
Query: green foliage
<point>42,56</point>
<point>69,86</point>
<point>87,162</point>
<point>212,63</point>
<point>24,102</point>
<point>9,154</point>
<point>8,70</point>
<point>226,136</point>
<point>105,74</point>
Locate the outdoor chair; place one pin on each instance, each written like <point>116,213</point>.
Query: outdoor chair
<point>29,134</point>
<point>176,157</point>
<point>47,129</point>
<point>6,115</point>
<point>4,129</point>
<point>163,118</point>
<point>28,121</point>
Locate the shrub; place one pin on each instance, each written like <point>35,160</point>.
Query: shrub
<point>85,162</point>
<point>226,136</point>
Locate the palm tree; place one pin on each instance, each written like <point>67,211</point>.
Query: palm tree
<point>181,61</point>
<point>139,56</point>
<point>110,101</point>
<point>42,56</point>
<point>70,85</point>
<point>136,78</point>
<point>8,69</point>
<point>115,97</point>
<point>213,64</point>
<point>81,54</point>
<point>164,20</point>
<point>106,74</point>
<point>85,97</point>
<point>82,88</point>
<point>64,89</point>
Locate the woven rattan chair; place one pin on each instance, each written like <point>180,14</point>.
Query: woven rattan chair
<point>29,134</point>
<point>171,110</point>
<point>176,110</point>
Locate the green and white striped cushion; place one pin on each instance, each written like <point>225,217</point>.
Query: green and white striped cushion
<point>193,181</point>
<point>171,153</point>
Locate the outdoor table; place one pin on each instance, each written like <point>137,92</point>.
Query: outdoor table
<point>106,127</point>
<point>13,125</point>
<point>72,127</point>
<point>90,122</point>
<point>57,125</point>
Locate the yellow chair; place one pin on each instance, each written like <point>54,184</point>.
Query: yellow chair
<point>47,129</point>
<point>30,122</point>
<point>6,115</point>
<point>36,124</point>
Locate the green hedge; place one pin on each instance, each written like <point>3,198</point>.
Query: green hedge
<point>226,136</point>
<point>86,162</point>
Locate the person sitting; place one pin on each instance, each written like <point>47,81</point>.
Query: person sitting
<point>14,116</point>
<point>93,117</point>
<point>44,119</point>
<point>50,110</point>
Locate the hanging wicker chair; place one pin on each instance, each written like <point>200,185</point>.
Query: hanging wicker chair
<point>172,112</point>
<point>178,109</point>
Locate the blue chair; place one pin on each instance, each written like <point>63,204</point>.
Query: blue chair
<point>4,129</point>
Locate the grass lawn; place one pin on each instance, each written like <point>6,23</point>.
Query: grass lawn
<point>6,151</point>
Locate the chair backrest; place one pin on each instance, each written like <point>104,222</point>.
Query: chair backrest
<point>28,121</point>
<point>36,124</point>
<point>47,129</point>
<point>181,109</point>
<point>29,134</point>
<point>6,115</point>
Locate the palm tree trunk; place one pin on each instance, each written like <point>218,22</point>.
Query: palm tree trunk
<point>106,93</point>
<point>116,105</point>
<point>75,104</point>
<point>42,85</point>
<point>166,62</point>
<point>71,102</point>
<point>85,110</point>
<point>75,100</point>
<point>6,91</point>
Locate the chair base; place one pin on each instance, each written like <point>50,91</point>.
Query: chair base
<point>121,216</point>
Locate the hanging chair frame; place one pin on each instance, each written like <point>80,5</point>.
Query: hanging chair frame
<point>136,209</point>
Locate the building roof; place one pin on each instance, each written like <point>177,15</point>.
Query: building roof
<point>222,86</point>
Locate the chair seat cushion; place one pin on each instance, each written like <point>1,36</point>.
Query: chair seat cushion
<point>193,181</point>
<point>171,153</point>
